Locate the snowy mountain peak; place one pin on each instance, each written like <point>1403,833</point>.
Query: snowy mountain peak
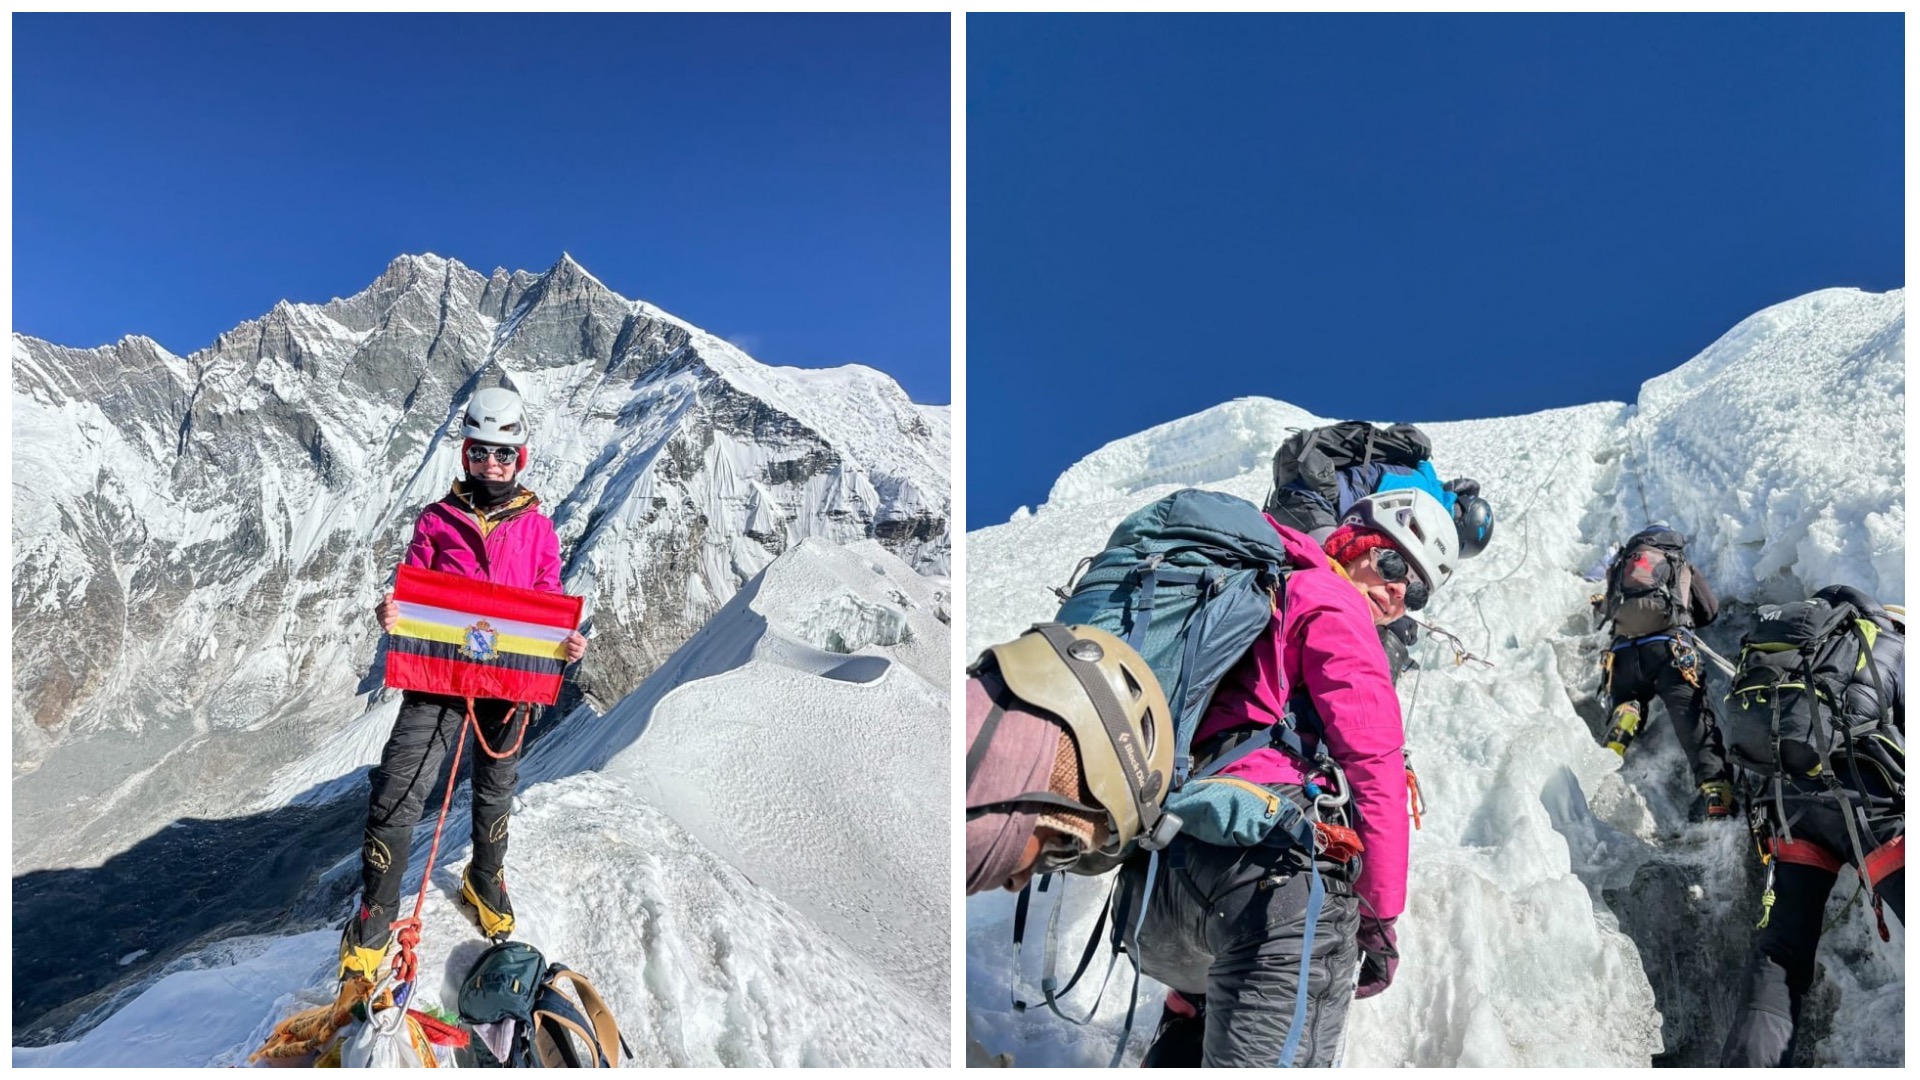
<point>222,518</point>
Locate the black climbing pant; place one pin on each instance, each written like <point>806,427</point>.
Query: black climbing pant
<point>1228,925</point>
<point>1180,1040</point>
<point>1780,969</point>
<point>1644,671</point>
<point>409,768</point>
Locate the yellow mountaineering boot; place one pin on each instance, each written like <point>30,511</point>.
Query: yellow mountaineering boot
<point>487,893</point>
<point>1719,796</point>
<point>360,959</point>
<point>1626,724</point>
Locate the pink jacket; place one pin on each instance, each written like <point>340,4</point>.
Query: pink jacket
<point>522,550</point>
<point>1328,644</point>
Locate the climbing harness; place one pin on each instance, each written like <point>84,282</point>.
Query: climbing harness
<point>1685,659</point>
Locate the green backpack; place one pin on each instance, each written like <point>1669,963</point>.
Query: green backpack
<point>551,1028</point>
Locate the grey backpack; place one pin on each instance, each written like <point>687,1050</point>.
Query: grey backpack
<point>1649,584</point>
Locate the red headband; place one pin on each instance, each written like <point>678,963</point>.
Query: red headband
<point>1349,543</point>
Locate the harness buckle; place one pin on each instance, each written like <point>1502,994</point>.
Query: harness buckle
<point>1163,833</point>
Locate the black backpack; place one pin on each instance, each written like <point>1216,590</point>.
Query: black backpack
<point>1785,714</point>
<point>1317,455</point>
<point>551,1028</point>
<point>1648,585</point>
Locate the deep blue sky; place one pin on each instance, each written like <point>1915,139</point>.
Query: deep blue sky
<point>1396,217</point>
<point>782,181</point>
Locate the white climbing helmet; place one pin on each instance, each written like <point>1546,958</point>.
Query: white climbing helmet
<point>1418,525</point>
<point>495,416</point>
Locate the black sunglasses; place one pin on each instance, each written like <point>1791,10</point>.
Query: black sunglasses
<point>505,455</point>
<point>1393,567</point>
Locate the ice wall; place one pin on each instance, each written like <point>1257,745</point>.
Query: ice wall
<point>1546,875</point>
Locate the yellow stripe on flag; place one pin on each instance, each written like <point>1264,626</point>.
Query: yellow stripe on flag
<point>454,635</point>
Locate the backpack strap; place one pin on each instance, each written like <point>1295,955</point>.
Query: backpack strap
<point>591,1020</point>
<point>1050,987</point>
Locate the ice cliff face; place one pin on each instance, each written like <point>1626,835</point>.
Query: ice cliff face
<point>1562,909</point>
<point>197,539</point>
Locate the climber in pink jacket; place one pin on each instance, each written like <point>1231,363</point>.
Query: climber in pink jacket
<point>488,528</point>
<point>1227,930</point>
<point>1328,648</point>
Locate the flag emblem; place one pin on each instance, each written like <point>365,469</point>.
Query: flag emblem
<point>480,639</point>
<point>469,638</point>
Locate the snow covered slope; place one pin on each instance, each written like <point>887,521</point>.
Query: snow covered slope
<point>803,736</point>
<point>197,539</point>
<point>756,874</point>
<point>1562,911</point>
<point>698,964</point>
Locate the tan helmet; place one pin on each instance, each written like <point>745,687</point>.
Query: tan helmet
<point>1109,700</point>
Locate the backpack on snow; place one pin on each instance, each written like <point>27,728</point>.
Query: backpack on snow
<point>1785,712</point>
<point>512,983</point>
<point>1191,582</point>
<point>1649,586</point>
<point>1316,456</point>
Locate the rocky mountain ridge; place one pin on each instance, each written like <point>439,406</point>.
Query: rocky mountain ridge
<point>198,539</point>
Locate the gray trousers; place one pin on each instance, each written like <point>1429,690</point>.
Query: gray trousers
<point>1230,923</point>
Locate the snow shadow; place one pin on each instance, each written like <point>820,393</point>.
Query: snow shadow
<point>776,648</point>
<point>85,937</point>
<point>88,937</point>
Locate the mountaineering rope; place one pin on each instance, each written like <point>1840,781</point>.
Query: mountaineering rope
<point>481,739</point>
<point>1525,547</point>
<point>1721,662</point>
<point>1640,480</point>
<point>1460,653</point>
<point>407,931</point>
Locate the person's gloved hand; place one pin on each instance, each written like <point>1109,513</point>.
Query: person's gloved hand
<point>1379,956</point>
<point>1463,487</point>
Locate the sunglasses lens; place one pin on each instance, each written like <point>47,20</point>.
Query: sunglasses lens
<point>1416,595</point>
<point>505,455</point>
<point>1391,564</point>
<point>1393,567</point>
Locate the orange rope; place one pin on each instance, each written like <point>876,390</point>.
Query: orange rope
<point>481,739</point>
<point>1415,804</point>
